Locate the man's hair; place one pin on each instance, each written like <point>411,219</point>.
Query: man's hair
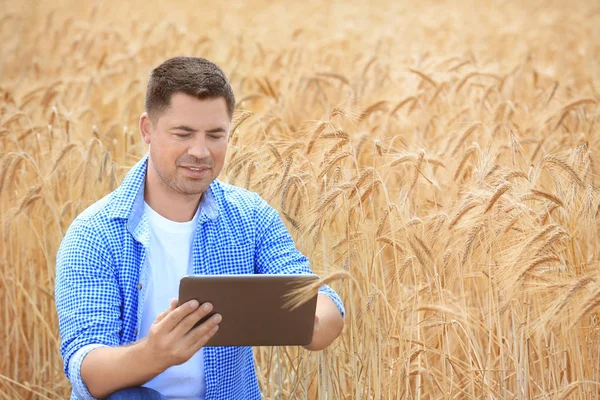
<point>193,76</point>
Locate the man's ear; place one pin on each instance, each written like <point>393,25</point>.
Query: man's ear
<point>146,128</point>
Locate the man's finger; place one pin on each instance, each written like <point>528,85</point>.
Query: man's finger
<point>160,316</point>
<point>172,319</point>
<point>163,314</point>
<point>190,320</point>
<point>197,335</point>
<point>201,340</point>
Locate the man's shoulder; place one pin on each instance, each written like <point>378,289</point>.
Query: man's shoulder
<point>96,217</point>
<point>95,210</point>
<point>231,196</point>
<point>93,231</point>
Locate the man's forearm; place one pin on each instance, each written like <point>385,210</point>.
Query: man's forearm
<point>108,369</point>
<point>329,323</point>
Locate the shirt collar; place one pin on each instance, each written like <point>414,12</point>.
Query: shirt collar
<point>128,198</point>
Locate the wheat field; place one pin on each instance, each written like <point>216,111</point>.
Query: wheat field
<point>439,161</point>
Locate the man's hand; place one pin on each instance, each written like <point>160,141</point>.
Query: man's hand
<point>328,324</point>
<point>172,340</point>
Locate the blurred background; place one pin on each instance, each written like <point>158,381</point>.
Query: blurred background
<point>440,156</point>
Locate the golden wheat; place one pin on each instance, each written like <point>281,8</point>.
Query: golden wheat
<point>441,178</point>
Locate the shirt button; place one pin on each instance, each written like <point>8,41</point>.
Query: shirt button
<point>139,286</point>
<point>136,332</point>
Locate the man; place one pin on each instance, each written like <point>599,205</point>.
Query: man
<point>123,334</point>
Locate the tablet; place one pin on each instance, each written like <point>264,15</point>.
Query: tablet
<point>253,309</point>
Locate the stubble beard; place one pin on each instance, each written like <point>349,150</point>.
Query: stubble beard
<point>187,187</point>
<point>176,184</point>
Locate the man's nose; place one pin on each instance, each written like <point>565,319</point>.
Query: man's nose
<point>198,148</point>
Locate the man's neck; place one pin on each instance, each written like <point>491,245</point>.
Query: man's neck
<point>168,203</point>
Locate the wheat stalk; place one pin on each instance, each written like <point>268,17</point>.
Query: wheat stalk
<point>465,135</point>
<point>500,190</point>
<point>469,205</point>
<point>553,161</point>
<point>305,291</point>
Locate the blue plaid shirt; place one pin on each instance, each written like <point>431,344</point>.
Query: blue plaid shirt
<point>101,274</point>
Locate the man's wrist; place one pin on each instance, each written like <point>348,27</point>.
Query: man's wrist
<point>144,353</point>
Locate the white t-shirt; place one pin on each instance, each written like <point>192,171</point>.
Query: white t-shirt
<point>168,260</point>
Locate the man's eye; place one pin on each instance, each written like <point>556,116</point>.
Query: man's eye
<point>183,135</point>
<point>214,136</point>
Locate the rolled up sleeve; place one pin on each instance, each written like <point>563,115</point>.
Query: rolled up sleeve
<point>88,299</point>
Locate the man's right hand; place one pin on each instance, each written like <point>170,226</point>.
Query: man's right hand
<point>172,338</point>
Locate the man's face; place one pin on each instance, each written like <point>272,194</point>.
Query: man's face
<point>188,143</point>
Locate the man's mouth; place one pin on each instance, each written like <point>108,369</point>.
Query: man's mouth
<point>200,168</point>
<point>197,172</point>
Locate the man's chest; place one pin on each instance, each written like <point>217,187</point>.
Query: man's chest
<point>217,252</point>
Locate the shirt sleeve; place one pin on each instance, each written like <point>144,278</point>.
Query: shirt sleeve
<point>88,300</point>
<point>276,252</point>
